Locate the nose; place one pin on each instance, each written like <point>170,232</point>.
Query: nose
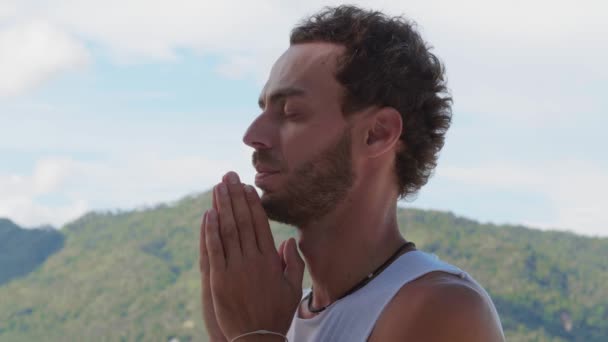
<point>259,133</point>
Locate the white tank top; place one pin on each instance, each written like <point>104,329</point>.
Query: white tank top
<point>352,318</point>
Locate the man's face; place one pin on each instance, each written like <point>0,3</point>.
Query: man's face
<point>302,135</point>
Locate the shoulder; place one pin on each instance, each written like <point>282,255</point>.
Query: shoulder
<point>439,307</point>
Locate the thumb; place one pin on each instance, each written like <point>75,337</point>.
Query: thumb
<point>294,270</point>
<point>282,254</point>
<point>203,255</point>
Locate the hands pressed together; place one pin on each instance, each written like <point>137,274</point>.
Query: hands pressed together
<point>247,285</point>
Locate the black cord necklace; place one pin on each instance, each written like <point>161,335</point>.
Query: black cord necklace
<point>365,280</point>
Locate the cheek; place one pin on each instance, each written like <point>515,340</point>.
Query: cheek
<point>298,146</point>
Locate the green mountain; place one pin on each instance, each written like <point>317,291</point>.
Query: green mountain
<point>132,276</point>
<point>22,250</point>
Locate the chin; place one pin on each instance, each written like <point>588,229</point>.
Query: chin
<point>271,196</point>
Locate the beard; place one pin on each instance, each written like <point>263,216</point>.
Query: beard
<point>315,188</point>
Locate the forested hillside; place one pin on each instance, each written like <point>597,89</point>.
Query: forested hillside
<point>132,276</point>
<point>22,250</point>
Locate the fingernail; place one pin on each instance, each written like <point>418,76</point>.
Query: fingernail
<point>249,188</point>
<point>233,178</point>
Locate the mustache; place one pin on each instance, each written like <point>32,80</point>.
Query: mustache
<point>265,158</point>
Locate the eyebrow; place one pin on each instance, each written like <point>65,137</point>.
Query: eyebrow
<point>282,94</point>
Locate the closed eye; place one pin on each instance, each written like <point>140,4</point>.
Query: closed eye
<point>291,115</point>
<point>290,111</point>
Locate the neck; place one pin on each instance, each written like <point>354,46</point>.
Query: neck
<point>345,246</point>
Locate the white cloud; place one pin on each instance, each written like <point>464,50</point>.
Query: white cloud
<point>575,189</point>
<point>529,60</point>
<point>105,166</point>
<point>27,213</point>
<point>524,58</point>
<point>47,176</point>
<point>156,30</point>
<point>534,62</point>
<point>33,51</point>
<point>169,157</point>
<point>142,179</point>
<point>19,194</point>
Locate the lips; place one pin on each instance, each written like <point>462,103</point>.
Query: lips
<point>263,169</point>
<point>262,178</point>
<point>265,174</point>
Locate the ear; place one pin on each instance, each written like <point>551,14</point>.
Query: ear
<point>383,132</point>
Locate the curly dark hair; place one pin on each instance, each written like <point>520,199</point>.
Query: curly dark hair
<point>386,63</point>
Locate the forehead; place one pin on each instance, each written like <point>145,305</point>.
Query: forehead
<point>310,67</point>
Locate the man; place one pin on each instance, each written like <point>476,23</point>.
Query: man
<point>353,118</point>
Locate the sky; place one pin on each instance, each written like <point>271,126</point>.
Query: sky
<point>123,104</point>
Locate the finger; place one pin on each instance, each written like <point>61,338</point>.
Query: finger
<point>209,316</point>
<point>227,225</point>
<point>213,243</point>
<point>242,214</point>
<point>204,264</point>
<point>260,222</point>
<point>294,272</point>
<point>203,256</point>
<point>282,253</point>
<point>214,201</point>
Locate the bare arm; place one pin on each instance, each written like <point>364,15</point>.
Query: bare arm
<point>445,309</point>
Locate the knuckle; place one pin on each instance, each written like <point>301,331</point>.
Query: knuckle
<point>214,249</point>
<point>243,222</point>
